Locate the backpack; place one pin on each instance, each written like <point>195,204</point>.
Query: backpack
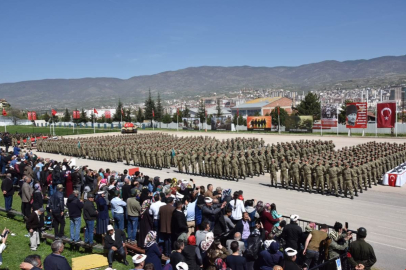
<point>56,176</point>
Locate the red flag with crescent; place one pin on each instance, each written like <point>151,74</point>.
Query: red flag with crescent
<point>95,111</point>
<point>53,112</point>
<point>29,116</point>
<point>386,114</point>
<point>34,115</point>
<point>392,179</point>
<point>4,112</point>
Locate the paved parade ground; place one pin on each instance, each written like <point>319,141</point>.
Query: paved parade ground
<point>381,210</point>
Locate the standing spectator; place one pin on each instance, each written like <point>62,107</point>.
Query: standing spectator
<point>114,242</point>
<point>165,216</point>
<point>56,260</point>
<point>241,244</point>
<point>211,211</point>
<point>26,195</point>
<point>209,192</point>
<point>7,142</point>
<point>270,256</point>
<point>3,239</point>
<point>292,233</point>
<point>267,220</point>
<point>117,210</point>
<point>179,225</point>
<point>275,214</point>
<point>339,241</point>
<point>76,180</point>
<point>237,207</point>
<point>362,253</point>
<point>146,223</point>
<point>154,212</point>
<point>103,213</point>
<point>75,207</point>
<point>176,256</point>
<point>191,253</point>
<point>8,191</point>
<point>289,262</point>
<point>37,198</point>
<point>190,208</point>
<point>126,189</point>
<point>89,215</point>
<point>152,250</point>
<point>312,245</point>
<point>133,212</point>
<point>252,212</point>
<point>33,226</point>
<point>235,261</point>
<point>202,232</point>
<point>245,228</point>
<point>215,252</point>
<point>57,207</point>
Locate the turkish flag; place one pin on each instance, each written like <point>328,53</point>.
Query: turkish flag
<point>29,115</point>
<point>392,179</point>
<point>238,112</point>
<point>386,114</point>
<point>122,112</point>
<point>107,114</point>
<point>34,115</point>
<point>278,111</point>
<point>4,112</point>
<point>153,113</point>
<point>53,112</point>
<point>95,111</point>
<point>177,111</point>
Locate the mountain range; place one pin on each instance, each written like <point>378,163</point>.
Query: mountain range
<point>202,81</point>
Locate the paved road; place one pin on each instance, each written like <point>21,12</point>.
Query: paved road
<point>381,210</point>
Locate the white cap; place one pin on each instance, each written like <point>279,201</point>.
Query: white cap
<point>110,227</point>
<point>182,266</point>
<point>139,258</point>
<point>208,200</point>
<point>290,252</point>
<point>294,217</point>
<point>179,196</point>
<point>100,192</point>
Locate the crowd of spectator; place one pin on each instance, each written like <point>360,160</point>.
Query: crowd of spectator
<point>179,224</point>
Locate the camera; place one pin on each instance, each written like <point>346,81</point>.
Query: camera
<point>5,233</point>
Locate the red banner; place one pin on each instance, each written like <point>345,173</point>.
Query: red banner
<point>392,179</point>
<point>34,115</point>
<point>76,114</point>
<point>259,122</point>
<point>29,116</point>
<point>386,115</point>
<point>107,114</point>
<point>357,115</point>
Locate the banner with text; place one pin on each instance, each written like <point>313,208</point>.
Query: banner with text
<point>357,115</point>
<point>221,123</point>
<point>76,114</point>
<point>296,123</point>
<point>259,122</point>
<point>107,114</point>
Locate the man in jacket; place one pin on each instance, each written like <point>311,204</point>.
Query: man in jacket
<point>211,211</point>
<point>114,242</point>
<point>133,212</point>
<point>89,215</point>
<point>57,207</point>
<point>339,241</point>
<point>8,191</point>
<point>33,225</point>
<point>165,216</point>
<point>179,223</point>
<point>362,253</point>
<point>292,233</point>
<point>26,195</point>
<point>312,245</point>
<point>75,207</point>
<point>56,260</point>
<point>76,180</point>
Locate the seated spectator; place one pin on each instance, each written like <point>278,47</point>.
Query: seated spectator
<point>3,239</point>
<point>139,261</point>
<point>152,250</point>
<point>176,255</point>
<point>55,260</point>
<point>114,242</point>
<point>312,246</point>
<point>237,238</point>
<point>270,256</point>
<point>33,226</point>
<point>235,261</point>
<point>192,254</point>
<point>32,262</point>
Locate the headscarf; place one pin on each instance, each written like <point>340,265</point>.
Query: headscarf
<point>267,207</point>
<point>310,227</point>
<point>159,189</point>
<point>260,205</point>
<point>255,232</point>
<point>267,244</point>
<point>145,206</point>
<point>205,244</point>
<point>226,192</point>
<point>150,239</point>
<point>191,240</point>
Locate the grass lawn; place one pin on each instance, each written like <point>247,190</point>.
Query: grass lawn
<point>60,131</point>
<point>18,246</point>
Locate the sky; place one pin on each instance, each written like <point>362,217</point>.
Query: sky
<point>117,38</point>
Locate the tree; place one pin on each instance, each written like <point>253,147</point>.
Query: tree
<point>342,118</point>
<point>177,117</point>
<point>166,119</point>
<point>218,108</point>
<point>46,117</point>
<point>159,109</point>
<point>186,112</point>
<point>149,106</point>
<point>283,114</point>
<point>310,105</point>
<point>66,116</point>
<point>83,117</point>
<point>201,111</point>
<point>127,115</point>
<point>257,114</point>
<point>118,116</point>
<point>101,119</point>
<point>140,116</point>
<point>209,117</point>
<point>15,114</point>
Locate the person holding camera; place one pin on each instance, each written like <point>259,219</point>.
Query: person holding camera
<point>3,239</point>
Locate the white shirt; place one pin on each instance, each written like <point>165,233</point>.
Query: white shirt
<point>238,208</point>
<point>154,209</point>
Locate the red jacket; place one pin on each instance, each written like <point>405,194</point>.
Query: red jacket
<point>268,221</point>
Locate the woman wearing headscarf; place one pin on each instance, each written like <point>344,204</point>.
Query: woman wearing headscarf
<point>204,248</point>
<point>216,251</point>
<point>146,222</point>
<point>103,213</point>
<point>145,195</point>
<point>267,220</point>
<point>192,255</point>
<point>152,250</point>
<point>38,201</point>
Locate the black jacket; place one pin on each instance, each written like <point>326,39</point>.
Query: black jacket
<point>89,211</point>
<point>38,201</point>
<point>33,222</point>
<point>54,261</point>
<point>126,192</point>
<point>76,178</point>
<point>74,206</point>
<point>178,224</point>
<point>120,238</point>
<point>56,203</point>
<point>7,185</point>
<point>191,258</point>
<point>292,234</point>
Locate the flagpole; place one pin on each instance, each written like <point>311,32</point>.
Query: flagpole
<point>321,121</point>
<point>337,118</point>
<point>396,121</point>
<point>279,123</point>
<point>376,120</point>
<point>177,121</point>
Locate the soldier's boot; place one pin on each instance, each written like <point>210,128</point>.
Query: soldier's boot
<point>360,189</point>
<point>356,193</point>
<point>352,197</point>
